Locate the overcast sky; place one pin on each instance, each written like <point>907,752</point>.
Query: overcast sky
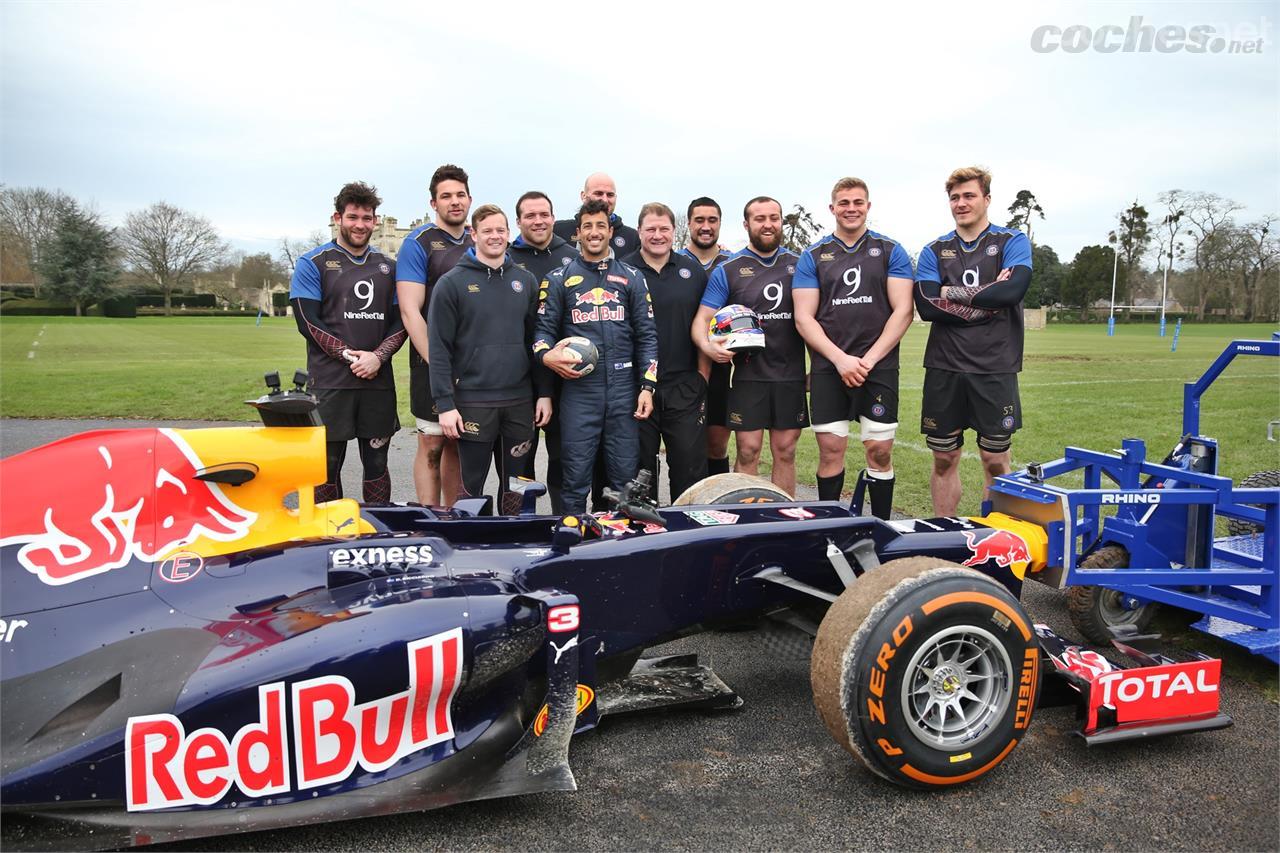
<point>254,113</point>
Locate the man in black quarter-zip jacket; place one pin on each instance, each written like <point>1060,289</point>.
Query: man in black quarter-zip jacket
<point>480,325</point>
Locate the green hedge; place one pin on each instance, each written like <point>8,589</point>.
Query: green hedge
<point>197,312</point>
<point>120,306</point>
<point>190,300</point>
<point>37,307</point>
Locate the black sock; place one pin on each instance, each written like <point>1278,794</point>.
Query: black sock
<point>881,495</point>
<point>717,466</point>
<point>829,488</point>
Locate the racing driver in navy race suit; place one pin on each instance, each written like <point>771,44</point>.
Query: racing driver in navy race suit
<point>597,297</point>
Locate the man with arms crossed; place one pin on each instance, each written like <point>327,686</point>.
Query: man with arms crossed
<point>767,391</point>
<point>481,328</point>
<point>676,283</point>
<point>604,300</point>
<point>427,253</point>
<point>852,293</point>
<point>344,301</point>
<point>703,245</point>
<point>539,250</point>
<point>969,286</point>
<point>601,187</point>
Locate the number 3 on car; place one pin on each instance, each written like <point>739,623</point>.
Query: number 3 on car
<point>563,618</point>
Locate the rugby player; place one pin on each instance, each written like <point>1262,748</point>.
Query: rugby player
<point>969,285</point>
<point>676,283</point>
<point>344,301</point>
<point>703,245</point>
<point>767,391</point>
<point>481,329</point>
<point>852,292</point>
<point>601,187</point>
<point>539,250</point>
<point>427,253</point>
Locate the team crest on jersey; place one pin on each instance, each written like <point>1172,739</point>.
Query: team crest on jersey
<point>948,253</point>
<point>874,251</point>
<point>791,269</point>
<point>385,269</point>
<point>877,410</point>
<point>993,250</point>
<point>517,286</point>
<point>684,273</point>
<point>619,242</point>
<point>1007,423</point>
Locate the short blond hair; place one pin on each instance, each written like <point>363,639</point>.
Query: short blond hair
<point>484,211</point>
<point>970,173</point>
<point>850,184</point>
<point>656,208</point>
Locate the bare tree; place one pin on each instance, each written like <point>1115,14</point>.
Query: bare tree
<point>28,218</point>
<point>1209,217</point>
<point>170,245</point>
<point>291,249</point>
<point>1258,253</point>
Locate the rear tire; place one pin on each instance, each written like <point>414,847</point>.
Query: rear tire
<point>732,489</point>
<point>926,671</point>
<point>1260,480</point>
<point>1095,610</point>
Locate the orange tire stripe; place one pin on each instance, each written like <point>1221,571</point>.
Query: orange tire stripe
<point>930,779</point>
<point>978,598</point>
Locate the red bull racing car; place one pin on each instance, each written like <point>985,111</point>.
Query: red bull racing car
<point>192,646</point>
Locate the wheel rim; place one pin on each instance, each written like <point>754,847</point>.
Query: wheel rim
<point>1112,610</point>
<point>958,685</point>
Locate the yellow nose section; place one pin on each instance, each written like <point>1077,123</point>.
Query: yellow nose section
<point>270,463</point>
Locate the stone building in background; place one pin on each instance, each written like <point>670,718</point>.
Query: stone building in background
<point>388,235</point>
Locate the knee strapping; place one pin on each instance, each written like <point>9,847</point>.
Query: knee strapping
<point>945,443</point>
<point>995,443</point>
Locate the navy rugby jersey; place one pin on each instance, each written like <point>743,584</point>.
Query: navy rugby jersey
<point>764,286</point>
<point>993,345</point>
<point>720,258</point>
<point>357,297</point>
<point>853,292</point>
<point>428,253</point>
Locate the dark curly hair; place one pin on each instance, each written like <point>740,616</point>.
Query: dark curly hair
<point>358,193</point>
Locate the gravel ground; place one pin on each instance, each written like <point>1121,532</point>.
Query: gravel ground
<point>767,776</point>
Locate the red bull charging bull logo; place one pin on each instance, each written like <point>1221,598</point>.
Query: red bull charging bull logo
<point>599,299</point>
<point>94,502</point>
<point>1005,548</point>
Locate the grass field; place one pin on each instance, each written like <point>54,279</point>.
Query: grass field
<point>1079,387</point>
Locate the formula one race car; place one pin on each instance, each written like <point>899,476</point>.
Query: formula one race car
<point>192,646</point>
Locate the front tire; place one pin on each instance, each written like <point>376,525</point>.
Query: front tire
<point>732,489</point>
<point>926,671</point>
